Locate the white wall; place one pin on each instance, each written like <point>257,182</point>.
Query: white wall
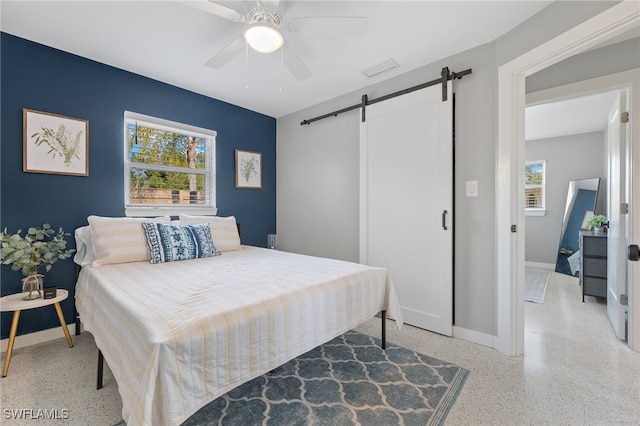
<point>567,158</point>
<point>317,185</point>
<point>317,165</point>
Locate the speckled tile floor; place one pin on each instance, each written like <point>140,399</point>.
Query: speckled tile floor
<point>574,372</point>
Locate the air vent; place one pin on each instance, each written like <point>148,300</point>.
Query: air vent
<point>385,66</point>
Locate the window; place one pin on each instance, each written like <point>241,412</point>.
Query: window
<point>534,190</point>
<point>169,167</point>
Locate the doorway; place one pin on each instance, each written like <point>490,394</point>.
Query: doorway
<point>571,133</point>
<point>509,205</point>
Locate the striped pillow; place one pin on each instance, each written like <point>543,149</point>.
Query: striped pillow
<point>170,242</point>
<point>119,239</point>
<point>224,230</point>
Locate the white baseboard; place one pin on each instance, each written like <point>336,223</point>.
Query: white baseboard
<point>538,265</point>
<point>474,336</point>
<point>36,337</point>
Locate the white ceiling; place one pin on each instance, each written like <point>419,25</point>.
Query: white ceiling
<point>170,42</point>
<point>574,116</point>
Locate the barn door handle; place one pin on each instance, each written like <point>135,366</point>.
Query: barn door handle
<point>444,220</point>
<point>633,253</point>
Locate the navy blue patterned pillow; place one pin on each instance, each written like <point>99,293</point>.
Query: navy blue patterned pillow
<point>169,242</point>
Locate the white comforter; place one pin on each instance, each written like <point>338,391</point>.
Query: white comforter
<point>178,335</point>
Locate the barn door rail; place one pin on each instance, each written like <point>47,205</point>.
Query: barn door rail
<point>445,76</point>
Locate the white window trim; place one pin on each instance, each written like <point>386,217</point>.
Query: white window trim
<point>161,210</point>
<point>538,211</point>
<point>534,212</point>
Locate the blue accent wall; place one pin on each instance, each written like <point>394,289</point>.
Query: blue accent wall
<point>45,79</point>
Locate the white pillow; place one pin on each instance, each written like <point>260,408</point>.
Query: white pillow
<point>224,230</point>
<point>84,246</point>
<point>120,239</point>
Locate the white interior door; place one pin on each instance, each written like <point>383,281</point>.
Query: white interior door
<point>616,190</point>
<point>406,189</point>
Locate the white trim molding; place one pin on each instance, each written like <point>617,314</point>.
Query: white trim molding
<point>539,265</point>
<point>474,336</point>
<point>41,336</point>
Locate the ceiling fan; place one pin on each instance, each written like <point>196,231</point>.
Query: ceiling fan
<point>265,30</point>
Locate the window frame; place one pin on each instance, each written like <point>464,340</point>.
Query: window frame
<point>537,211</point>
<point>136,210</point>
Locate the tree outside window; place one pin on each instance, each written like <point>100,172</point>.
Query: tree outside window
<point>534,185</point>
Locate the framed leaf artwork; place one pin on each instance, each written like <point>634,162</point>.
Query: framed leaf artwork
<point>248,169</point>
<point>55,144</point>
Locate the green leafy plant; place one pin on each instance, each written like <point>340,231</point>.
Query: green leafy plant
<point>597,221</point>
<point>61,142</point>
<point>39,247</point>
<point>248,168</point>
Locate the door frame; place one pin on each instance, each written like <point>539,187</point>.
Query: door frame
<point>510,161</point>
<point>625,81</point>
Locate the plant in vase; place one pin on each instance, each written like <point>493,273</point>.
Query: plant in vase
<point>596,222</point>
<point>39,247</point>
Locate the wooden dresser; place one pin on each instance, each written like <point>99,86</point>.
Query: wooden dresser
<point>593,264</point>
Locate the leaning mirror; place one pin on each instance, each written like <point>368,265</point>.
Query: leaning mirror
<point>581,203</point>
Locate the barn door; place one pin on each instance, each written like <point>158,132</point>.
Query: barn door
<point>406,189</point>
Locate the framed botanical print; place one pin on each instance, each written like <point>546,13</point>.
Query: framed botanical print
<point>248,169</point>
<point>55,144</point>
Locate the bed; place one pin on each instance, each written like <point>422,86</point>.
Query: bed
<point>178,334</point>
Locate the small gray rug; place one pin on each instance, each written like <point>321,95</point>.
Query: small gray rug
<point>347,381</point>
<point>535,285</point>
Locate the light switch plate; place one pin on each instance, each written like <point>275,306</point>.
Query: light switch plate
<point>472,188</point>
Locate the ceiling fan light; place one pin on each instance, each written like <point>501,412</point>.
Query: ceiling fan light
<point>264,38</point>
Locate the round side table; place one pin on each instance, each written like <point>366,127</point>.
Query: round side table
<point>15,303</point>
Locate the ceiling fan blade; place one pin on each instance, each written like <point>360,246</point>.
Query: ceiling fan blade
<point>339,26</point>
<point>225,55</point>
<point>216,9</point>
<point>294,64</point>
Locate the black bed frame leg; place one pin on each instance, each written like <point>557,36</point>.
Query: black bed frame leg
<point>75,311</point>
<point>383,340</point>
<point>100,369</point>
<point>77,321</point>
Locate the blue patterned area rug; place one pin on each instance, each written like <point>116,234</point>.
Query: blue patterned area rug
<point>347,381</point>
